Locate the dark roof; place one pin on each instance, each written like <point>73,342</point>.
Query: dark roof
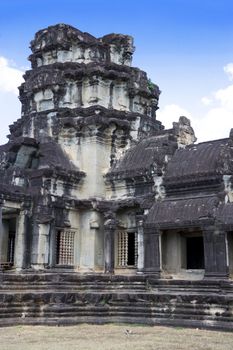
<point>178,212</point>
<point>207,158</point>
<point>140,158</point>
<point>225,213</point>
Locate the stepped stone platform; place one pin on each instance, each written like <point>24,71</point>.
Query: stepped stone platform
<point>68,298</point>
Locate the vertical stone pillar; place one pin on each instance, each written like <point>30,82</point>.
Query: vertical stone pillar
<point>52,245</point>
<point>109,246</point>
<point>152,251</point>
<point>40,246</point>
<point>1,234</point>
<point>19,259</point>
<point>215,251</point>
<point>140,265</point>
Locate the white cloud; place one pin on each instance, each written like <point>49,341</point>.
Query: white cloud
<point>225,97</point>
<point>216,122</point>
<point>9,112</point>
<point>170,114</point>
<point>228,69</point>
<point>206,101</point>
<point>10,77</point>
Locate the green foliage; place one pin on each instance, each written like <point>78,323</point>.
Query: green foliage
<point>150,85</point>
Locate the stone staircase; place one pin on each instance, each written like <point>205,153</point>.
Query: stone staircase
<point>70,298</point>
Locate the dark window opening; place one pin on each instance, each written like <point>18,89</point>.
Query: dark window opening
<point>195,253</point>
<point>131,249</point>
<point>127,249</point>
<point>58,247</point>
<point>11,248</point>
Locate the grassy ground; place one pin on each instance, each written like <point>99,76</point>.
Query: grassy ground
<point>112,337</point>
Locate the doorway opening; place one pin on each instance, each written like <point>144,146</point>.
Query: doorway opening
<point>183,254</point>
<point>8,242</point>
<point>194,253</point>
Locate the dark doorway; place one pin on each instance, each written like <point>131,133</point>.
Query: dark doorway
<point>8,241</point>
<point>195,253</point>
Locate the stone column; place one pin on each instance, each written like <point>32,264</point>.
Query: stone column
<point>1,235</point>
<point>109,247</point>
<point>52,245</point>
<point>40,245</point>
<point>152,251</point>
<point>19,259</point>
<point>215,251</point>
<point>140,265</point>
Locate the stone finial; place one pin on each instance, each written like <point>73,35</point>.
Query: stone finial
<point>60,35</point>
<point>64,43</point>
<point>184,132</point>
<point>121,48</point>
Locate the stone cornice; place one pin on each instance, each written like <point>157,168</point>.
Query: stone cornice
<point>58,73</point>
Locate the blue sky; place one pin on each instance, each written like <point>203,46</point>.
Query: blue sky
<point>186,47</point>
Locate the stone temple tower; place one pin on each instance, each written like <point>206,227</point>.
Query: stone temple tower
<point>83,106</point>
<point>83,95</point>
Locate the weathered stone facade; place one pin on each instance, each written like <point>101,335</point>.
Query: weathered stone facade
<point>94,190</point>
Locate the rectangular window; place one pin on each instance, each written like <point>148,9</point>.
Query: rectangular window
<point>65,247</point>
<point>127,249</point>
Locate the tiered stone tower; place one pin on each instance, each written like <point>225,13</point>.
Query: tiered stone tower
<point>83,106</point>
<point>83,95</point>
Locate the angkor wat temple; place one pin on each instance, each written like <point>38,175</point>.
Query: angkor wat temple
<point>105,215</point>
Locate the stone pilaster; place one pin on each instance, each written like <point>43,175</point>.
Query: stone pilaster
<point>152,251</point>
<point>1,235</point>
<point>52,245</point>
<point>109,247</point>
<point>20,241</point>
<point>215,250</point>
<point>40,248</point>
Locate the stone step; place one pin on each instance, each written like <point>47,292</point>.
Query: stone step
<point>108,289</point>
<point>160,311</point>
<point>112,286</point>
<point>62,321</point>
<point>100,281</point>
<point>70,298</point>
